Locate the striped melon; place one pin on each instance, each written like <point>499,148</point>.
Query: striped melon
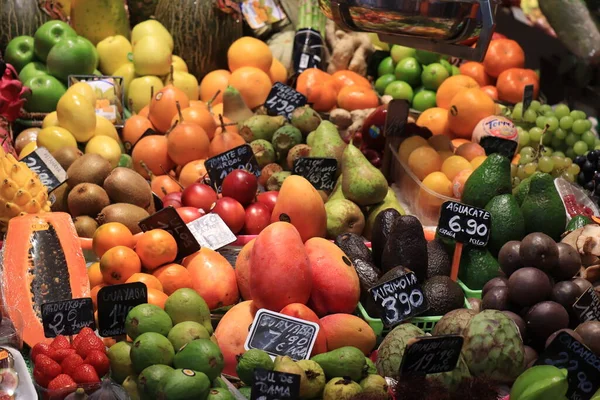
<point>140,10</point>
<point>201,33</point>
<point>19,17</point>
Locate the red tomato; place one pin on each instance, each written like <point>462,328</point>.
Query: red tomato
<point>232,213</point>
<point>491,91</point>
<point>502,55</point>
<point>188,214</point>
<point>511,84</point>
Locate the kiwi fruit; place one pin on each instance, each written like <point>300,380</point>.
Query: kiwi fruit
<point>124,185</point>
<point>85,226</point>
<point>87,199</point>
<point>58,199</point>
<point>127,214</point>
<point>89,168</point>
<point>67,156</point>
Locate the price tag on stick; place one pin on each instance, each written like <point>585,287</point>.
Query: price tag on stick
<point>587,306</point>
<point>115,302</point>
<point>320,172</point>
<point>399,299</point>
<point>211,231</point>
<point>283,100</point>
<point>67,317</point>
<point>583,365</point>
<point>527,97</point>
<point>219,166</point>
<point>272,385</point>
<point>464,224</point>
<point>282,335</point>
<point>50,172</point>
<point>431,355</point>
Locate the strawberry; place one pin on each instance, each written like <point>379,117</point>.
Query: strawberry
<point>99,361</point>
<point>62,382</point>
<point>70,363</point>
<point>60,342</point>
<point>85,373</point>
<point>61,354</point>
<point>41,348</point>
<point>84,332</point>
<point>45,369</point>
<point>89,343</point>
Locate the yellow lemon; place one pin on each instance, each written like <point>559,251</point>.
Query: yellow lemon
<point>85,90</point>
<point>77,115</point>
<point>106,147</point>
<point>408,145</point>
<point>54,138</point>
<point>105,128</point>
<point>28,149</point>
<point>50,120</point>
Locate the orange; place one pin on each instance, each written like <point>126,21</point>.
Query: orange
<point>467,108</point>
<point>477,161</point>
<point>408,145</point>
<point>187,142</point>
<point>118,264</point>
<point>163,107</point>
<point>436,120</point>
<point>155,248</point>
<point>357,97</point>
<point>200,116</point>
<point>515,159</point>
<point>423,161</point>
<point>157,298</point>
<point>213,82</point>
<point>253,84</point>
<point>94,294</point>
<point>451,86</point>
<point>173,277</point>
<point>455,164</point>
<point>476,71</point>
<point>163,185</point>
<point>134,128</point>
<point>110,235</point>
<point>150,281</point>
<point>192,172</point>
<point>438,183</point>
<point>249,52</point>
<point>277,72</point>
<point>152,151</point>
<point>345,78</point>
<point>94,275</point>
<point>470,151</point>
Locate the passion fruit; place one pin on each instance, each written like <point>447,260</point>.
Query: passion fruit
<point>540,251</point>
<point>528,286</point>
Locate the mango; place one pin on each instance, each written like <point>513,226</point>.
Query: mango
<point>232,331</point>
<point>336,287</point>
<point>348,330</point>
<point>242,270</point>
<point>301,311</point>
<point>280,273</point>
<point>300,204</point>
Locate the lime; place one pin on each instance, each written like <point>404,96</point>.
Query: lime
<point>409,70</point>
<point>418,89</point>
<point>446,65</point>
<point>433,75</point>
<point>386,66</point>
<point>423,100</point>
<point>382,82</point>
<point>455,70</point>
<point>427,57</point>
<point>399,90</point>
<point>400,53</point>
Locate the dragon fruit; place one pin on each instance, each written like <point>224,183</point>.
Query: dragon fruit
<point>12,93</point>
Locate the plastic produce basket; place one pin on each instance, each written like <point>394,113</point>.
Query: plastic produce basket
<point>468,292</point>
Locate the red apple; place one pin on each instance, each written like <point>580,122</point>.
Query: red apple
<point>188,214</point>
<point>199,195</point>
<point>258,216</point>
<point>231,212</point>
<point>172,199</point>
<point>268,198</point>
<point>240,185</point>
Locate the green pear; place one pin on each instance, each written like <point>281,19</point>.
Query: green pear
<point>363,183</point>
<point>390,201</point>
<point>343,216</point>
<point>151,56</point>
<point>326,142</point>
<point>234,107</point>
<point>337,192</point>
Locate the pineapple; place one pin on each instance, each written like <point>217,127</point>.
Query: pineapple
<point>21,191</point>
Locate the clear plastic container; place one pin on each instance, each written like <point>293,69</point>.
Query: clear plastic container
<point>46,394</point>
<point>11,330</point>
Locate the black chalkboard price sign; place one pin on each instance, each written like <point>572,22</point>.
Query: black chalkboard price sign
<point>587,306</point>
<point>169,220</point>
<point>115,302</point>
<point>282,335</point>
<point>465,224</point>
<point>46,167</point>
<point>320,172</point>
<point>283,100</point>
<point>219,166</point>
<point>527,97</point>
<point>399,299</point>
<point>431,355</point>
<point>67,317</point>
<point>582,364</point>
<point>272,385</point>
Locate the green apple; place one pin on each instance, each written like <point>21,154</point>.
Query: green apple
<point>433,75</point>
<point>140,91</point>
<point>399,53</point>
<point>46,90</point>
<point>151,56</point>
<point>73,56</point>
<point>113,52</point>
<point>48,35</point>
<point>151,27</point>
<point>19,52</point>
<point>128,73</point>
<point>32,69</point>
<point>185,82</point>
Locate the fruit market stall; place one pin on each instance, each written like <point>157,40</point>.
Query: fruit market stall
<point>256,200</point>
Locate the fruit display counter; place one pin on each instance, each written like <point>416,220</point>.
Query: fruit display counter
<point>296,212</point>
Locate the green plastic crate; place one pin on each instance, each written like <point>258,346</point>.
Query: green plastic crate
<point>468,292</point>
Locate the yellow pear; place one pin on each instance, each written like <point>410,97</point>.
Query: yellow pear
<point>54,138</point>
<point>113,52</point>
<point>151,27</point>
<point>85,90</point>
<point>50,120</point>
<point>105,128</point>
<point>127,72</point>
<point>185,82</point>
<point>106,147</point>
<point>151,56</point>
<point>77,115</point>
<point>178,64</point>
<point>140,91</point>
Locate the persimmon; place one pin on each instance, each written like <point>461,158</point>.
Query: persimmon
<point>118,264</point>
<point>357,97</point>
<point>110,235</point>
<point>155,248</point>
<point>319,88</point>
<point>501,55</point>
<point>345,78</point>
<point>511,84</point>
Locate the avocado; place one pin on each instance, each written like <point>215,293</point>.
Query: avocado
<point>521,190</point>
<point>507,222</point>
<point>491,179</point>
<point>543,209</point>
<point>368,275</point>
<point>384,222</point>
<point>354,247</point>
<point>477,267</point>
<point>406,246</point>
<point>443,295</point>
<point>578,221</point>
<point>345,361</point>
<point>438,259</point>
